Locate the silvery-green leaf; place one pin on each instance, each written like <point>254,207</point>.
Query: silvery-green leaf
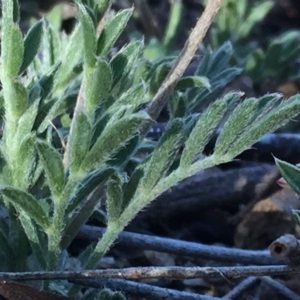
<point>112,139</point>
<point>158,76</point>
<point>27,120</point>
<point>89,35</point>
<point>47,81</point>
<point>43,117</point>
<point>266,103</point>
<point>202,132</point>
<point>97,85</point>
<point>114,197</point>
<point>123,62</point>
<point>28,204</point>
<point>11,43</point>
<point>35,239</point>
<point>240,119</point>
<point>51,47</point>
<point>152,67</point>
<point>18,98</point>
<point>25,167</point>
<point>32,43</point>
<point>215,62</point>
<point>125,153</point>
<point>53,168</point>
<point>276,118</point>
<point>163,155</point>
<point>99,126</point>
<point>72,57</point>
<point>135,96</point>
<point>224,77</point>
<point>131,186</point>
<point>78,141</point>
<point>112,30</point>
<point>34,92</point>
<point>82,212</point>
<point>216,67</point>
<point>53,108</point>
<point>87,185</point>
<point>192,81</point>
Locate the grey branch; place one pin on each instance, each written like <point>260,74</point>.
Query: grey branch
<point>182,248</point>
<point>140,273</point>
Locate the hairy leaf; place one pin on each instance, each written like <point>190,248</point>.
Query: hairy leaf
<point>112,139</point>
<point>72,57</point>
<point>123,63</point>
<point>135,96</point>
<point>26,121</point>
<point>35,239</point>
<point>112,30</point>
<point>192,81</point>
<point>89,35</point>
<point>32,43</point>
<point>25,161</point>
<point>158,76</point>
<point>78,141</point>
<point>17,98</point>
<point>11,44</point>
<point>51,47</point>
<point>164,155</point>
<point>47,81</point>
<point>97,85</point>
<point>276,118</point>
<point>202,132</point>
<point>53,168</point>
<point>131,186</point>
<point>114,197</point>
<point>241,118</point>
<point>87,185</point>
<point>125,153</point>
<point>27,204</point>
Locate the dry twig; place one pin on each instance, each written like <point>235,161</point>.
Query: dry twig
<point>155,273</point>
<point>183,60</point>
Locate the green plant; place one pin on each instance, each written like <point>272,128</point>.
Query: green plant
<point>52,180</point>
<point>277,61</point>
<point>161,45</point>
<point>237,19</point>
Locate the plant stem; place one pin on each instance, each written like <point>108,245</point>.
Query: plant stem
<point>56,231</point>
<point>139,202</point>
<point>108,238</point>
